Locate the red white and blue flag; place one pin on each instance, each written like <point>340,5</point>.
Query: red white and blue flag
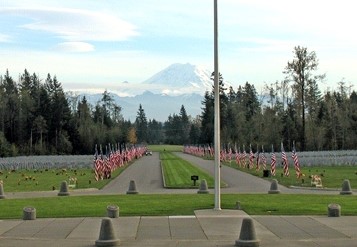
<point>273,162</point>
<point>296,163</point>
<point>284,160</point>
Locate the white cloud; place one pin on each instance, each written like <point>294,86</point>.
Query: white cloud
<point>74,47</point>
<point>76,24</point>
<point>4,38</point>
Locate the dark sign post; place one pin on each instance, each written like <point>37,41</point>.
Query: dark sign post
<point>194,178</point>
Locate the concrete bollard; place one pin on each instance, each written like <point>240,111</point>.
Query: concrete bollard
<point>203,187</point>
<point>346,188</point>
<point>274,187</point>
<point>113,211</point>
<point>29,213</point>
<point>132,188</point>
<point>333,210</point>
<point>107,235</point>
<point>64,189</point>
<point>2,195</point>
<point>247,237</point>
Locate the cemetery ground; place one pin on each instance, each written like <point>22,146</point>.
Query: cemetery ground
<point>166,204</point>
<point>332,177</point>
<point>50,179</point>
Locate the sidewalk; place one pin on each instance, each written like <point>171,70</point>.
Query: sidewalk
<point>207,228</point>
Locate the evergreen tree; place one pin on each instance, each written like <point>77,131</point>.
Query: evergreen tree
<point>12,108</point>
<point>173,130</point>
<point>155,132</point>
<point>85,126</point>
<point>141,124</point>
<point>185,126</point>
<point>27,111</point>
<point>299,71</point>
<point>207,116</point>
<point>59,117</point>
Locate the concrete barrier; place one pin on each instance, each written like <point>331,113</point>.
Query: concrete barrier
<point>29,213</point>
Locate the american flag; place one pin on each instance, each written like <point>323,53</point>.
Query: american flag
<point>107,164</point>
<point>100,164</point>
<point>251,158</point>
<point>273,162</point>
<point>96,166</point>
<point>244,156</point>
<point>237,154</point>
<point>296,163</point>
<point>263,159</point>
<point>230,154</point>
<point>284,159</point>
<point>258,160</point>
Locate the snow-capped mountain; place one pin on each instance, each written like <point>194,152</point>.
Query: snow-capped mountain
<point>161,95</point>
<point>182,78</point>
<point>156,106</point>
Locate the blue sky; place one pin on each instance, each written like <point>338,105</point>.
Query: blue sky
<point>97,45</point>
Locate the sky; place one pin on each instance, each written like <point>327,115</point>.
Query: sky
<point>98,45</point>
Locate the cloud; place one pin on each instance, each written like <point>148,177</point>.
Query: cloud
<point>4,38</point>
<point>74,47</point>
<point>76,24</point>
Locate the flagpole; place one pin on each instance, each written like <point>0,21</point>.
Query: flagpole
<point>217,188</point>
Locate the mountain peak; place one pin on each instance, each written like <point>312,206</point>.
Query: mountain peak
<point>179,76</point>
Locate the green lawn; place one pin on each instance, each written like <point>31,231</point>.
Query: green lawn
<point>169,148</point>
<point>49,179</point>
<point>331,176</point>
<point>177,172</point>
<point>176,204</point>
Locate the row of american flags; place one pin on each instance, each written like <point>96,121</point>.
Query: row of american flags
<point>250,160</point>
<point>115,156</point>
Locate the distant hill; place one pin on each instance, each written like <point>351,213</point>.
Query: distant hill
<point>156,106</point>
<point>163,93</point>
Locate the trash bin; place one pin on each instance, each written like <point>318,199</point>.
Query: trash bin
<point>266,173</point>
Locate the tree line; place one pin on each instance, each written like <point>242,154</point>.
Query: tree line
<point>38,117</point>
<point>295,111</point>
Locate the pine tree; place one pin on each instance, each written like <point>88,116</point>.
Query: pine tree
<point>141,124</point>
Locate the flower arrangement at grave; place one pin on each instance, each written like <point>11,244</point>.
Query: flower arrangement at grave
<point>316,181</point>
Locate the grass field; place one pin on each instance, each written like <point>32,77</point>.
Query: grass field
<point>51,179</point>
<point>331,176</point>
<point>169,148</point>
<point>173,204</point>
<point>177,172</point>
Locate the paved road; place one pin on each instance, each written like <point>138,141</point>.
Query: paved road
<point>146,172</point>
<point>207,228</point>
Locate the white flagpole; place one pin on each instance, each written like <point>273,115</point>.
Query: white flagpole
<point>217,188</point>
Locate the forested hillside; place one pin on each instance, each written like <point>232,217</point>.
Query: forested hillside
<point>36,116</point>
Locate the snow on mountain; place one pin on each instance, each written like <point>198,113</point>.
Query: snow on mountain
<point>182,78</point>
<point>161,95</point>
<point>156,106</point>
